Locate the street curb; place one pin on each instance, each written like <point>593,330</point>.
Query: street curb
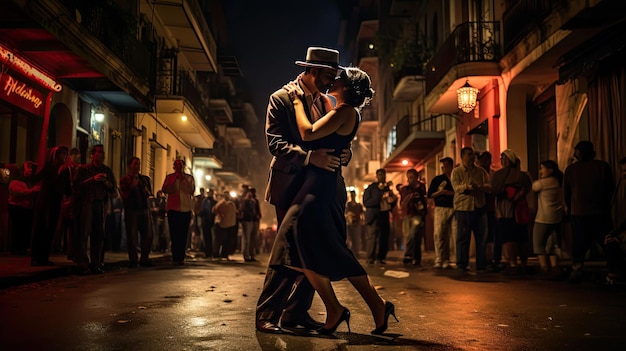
<point>52,272</point>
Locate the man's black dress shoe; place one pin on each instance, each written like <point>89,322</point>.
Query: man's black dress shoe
<point>268,327</point>
<point>306,324</point>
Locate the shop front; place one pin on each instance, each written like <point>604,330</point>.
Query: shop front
<point>25,97</point>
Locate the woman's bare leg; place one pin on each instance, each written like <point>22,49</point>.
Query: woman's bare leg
<point>366,289</point>
<point>322,285</point>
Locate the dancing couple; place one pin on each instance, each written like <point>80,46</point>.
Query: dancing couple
<point>310,138</point>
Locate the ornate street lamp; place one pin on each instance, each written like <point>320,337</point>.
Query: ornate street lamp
<point>466,97</point>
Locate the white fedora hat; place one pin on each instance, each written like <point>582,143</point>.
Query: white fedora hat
<point>321,58</point>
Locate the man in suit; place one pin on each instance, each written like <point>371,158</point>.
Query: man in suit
<point>135,189</point>
<point>287,295</point>
<point>94,184</point>
<point>378,199</point>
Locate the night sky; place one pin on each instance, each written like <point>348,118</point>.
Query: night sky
<point>269,36</point>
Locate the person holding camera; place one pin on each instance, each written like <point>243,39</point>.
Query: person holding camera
<point>378,199</point>
<point>179,187</point>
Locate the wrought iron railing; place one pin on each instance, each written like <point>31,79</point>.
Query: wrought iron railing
<point>435,123</point>
<point>469,42</point>
<point>179,83</point>
<point>522,16</point>
<point>117,29</point>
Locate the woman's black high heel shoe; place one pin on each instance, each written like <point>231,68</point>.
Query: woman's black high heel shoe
<point>390,309</point>
<point>345,316</point>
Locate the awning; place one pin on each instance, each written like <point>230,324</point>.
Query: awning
<point>418,148</point>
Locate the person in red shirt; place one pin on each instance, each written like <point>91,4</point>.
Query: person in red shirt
<point>179,186</point>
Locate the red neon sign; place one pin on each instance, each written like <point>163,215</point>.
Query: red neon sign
<point>10,59</point>
<point>21,94</point>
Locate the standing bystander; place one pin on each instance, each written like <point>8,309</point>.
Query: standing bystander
<point>208,222</point>
<point>179,187</point>
<point>493,249</point>
<point>614,241</point>
<point>588,186</point>
<point>256,224</point>
<point>159,213</point>
<point>135,189</point>
<point>442,192</point>
<point>510,185</point>
<point>248,210</point>
<point>23,191</point>
<point>68,206</point>
<point>414,209</point>
<point>470,184</point>
<point>226,226</point>
<point>547,228</point>
<point>47,207</point>
<point>354,221</point>
<point>94,184</point>
<point>378,199</point>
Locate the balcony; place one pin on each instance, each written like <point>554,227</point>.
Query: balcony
<point>208,158</point>
<point>91,46</point>
<point>178,95</point>
<point>117,30</point>
<point>408,83</point>
<point>184,19</point>
<point>221,112</point>
<point>471,42</point>
<point>237,138</point>
<point>415,143</point>
<point>522,16</point>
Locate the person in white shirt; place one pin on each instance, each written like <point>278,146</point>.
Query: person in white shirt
<point>225,227</point>
<point>547,228</point>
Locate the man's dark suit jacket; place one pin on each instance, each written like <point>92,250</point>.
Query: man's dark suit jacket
<point>371,200</point>
<point>285,176</point>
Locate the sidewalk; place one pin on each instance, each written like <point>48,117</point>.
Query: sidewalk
<point>16,270</point>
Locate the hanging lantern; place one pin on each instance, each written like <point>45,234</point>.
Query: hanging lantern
<point>466,97</point>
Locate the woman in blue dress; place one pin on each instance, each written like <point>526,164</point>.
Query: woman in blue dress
<point>315,224</point>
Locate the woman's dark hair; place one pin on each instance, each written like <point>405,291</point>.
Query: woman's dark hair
<point>359,91</point>
<point>556,172</point>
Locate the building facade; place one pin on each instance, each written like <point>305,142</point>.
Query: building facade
<point>141,77</point>
<point>548,74</point>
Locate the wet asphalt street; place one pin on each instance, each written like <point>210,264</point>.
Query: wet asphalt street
<point>208,305</point>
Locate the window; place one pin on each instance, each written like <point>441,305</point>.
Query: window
<point>391,142</point>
